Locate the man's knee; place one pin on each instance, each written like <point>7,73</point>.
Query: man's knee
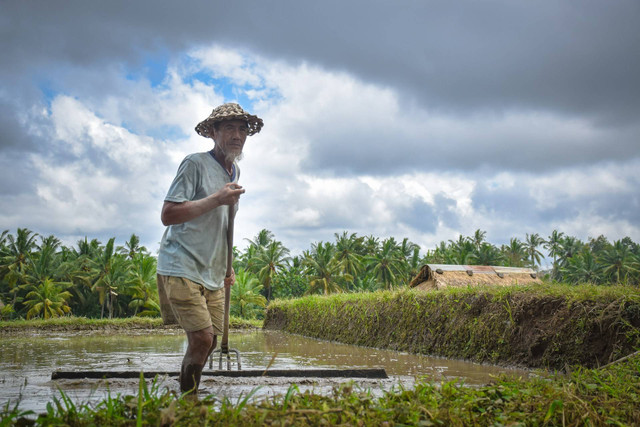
<point>202,339</point>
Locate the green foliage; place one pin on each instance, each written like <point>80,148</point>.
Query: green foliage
<point>46,279</point>
<point>246,301</point>
<point>120,281</point>
<point>535,325</point>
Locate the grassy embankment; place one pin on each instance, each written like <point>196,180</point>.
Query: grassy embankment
<point>555,326</point>
<point>540,326</point>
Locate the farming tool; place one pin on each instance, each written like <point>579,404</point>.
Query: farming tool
<point>224,345</point>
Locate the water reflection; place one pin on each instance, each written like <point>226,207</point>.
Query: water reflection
<point>26,364</point>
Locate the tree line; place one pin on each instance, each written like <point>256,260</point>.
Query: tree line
<point>41,278</point>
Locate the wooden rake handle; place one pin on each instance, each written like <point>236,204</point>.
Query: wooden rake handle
<point>224,345</point>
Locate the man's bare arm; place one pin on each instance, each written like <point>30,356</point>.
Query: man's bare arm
<point>178,213</point>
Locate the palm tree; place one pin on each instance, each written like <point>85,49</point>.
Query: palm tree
<point>290,282</point>
<point>13,265</point>
<point>619,262</point>
<point>3,239</point>
<point>583,268</point>
<point>385,265</point>
<point>268,261</point>
<point>413,265</point>
<point>110,273</point>
<point>262,239</point>
<point>47,300</point>
<point>132,247</point>
<point>478,239</point>
<point>322,269</point>
<point>569,247</point>
<point>531,244</point>
<point>461,250</point>
<point>142,285</point>
<point>554,246</point>
<point>88,249</point>
<point>442,254</point>
<point>487,254</point>
<point>371,245</point>
<point>514,253</point>
<point>246,301</point>
<point>346,253</point>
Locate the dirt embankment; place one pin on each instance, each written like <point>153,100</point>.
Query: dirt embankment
<point>520,327</point>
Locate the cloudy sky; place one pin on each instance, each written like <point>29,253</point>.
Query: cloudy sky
<point>419,119</point>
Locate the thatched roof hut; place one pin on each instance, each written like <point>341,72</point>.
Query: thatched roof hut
<point>438,276</point>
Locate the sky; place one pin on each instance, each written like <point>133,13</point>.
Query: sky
<point>424,120</point>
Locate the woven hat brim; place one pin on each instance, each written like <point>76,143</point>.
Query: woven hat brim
<point>205,127</point>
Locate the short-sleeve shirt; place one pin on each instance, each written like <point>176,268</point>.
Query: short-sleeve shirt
<point>197,249</point>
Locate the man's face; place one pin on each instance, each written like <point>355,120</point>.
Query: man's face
<point>230,137</point>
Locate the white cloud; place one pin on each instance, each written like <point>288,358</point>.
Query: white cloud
<point>336,153</point>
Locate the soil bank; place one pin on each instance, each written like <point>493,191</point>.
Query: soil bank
<point>541,326</point>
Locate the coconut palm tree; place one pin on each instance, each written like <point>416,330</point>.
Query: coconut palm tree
<point>487,254</point>
<point>478,238</point>
<point>142,285</point>
<point>583,268</point>
<point>132,247</point>
<point>110,271</point>
<point>554,246</point>
<point>619,262</point>
<point>385,265</point>
<point>290,282</point>
<point>47,300</point>
<point>569,246</point>
<point>268,261</point>
<point>371,245</point>
<point>322,269</point>
<point>13,265</point>
<point>413,265</point>
<point>460,250</point>
<point>346,253</point>
<point>246,300</point>
<point>514,253</point>
<point>262,239</point>
<point>531,244</point>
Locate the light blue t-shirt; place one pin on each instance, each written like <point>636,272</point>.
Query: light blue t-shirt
<point>197,249</point>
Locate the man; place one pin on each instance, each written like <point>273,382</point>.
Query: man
<point>193,251</point>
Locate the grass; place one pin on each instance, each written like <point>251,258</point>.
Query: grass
<point>82,323</point>
<point>596,397</point>
<point>547,326</point>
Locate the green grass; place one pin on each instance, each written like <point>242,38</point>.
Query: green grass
<point>83,323</point>
<point>548,325</point>
<point>596,397</point>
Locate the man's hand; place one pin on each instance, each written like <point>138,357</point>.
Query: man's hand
<point>178,213</point>
<point>229,194</point>
<point>230,280</point>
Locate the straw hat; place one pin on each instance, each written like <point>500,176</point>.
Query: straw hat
<point>229,111</point>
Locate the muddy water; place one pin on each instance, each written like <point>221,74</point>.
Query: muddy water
<point>26,364</point>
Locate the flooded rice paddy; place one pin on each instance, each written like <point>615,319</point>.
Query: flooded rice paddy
<point>26,364</point>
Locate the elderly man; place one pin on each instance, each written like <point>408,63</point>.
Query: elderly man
<point>193,251</point>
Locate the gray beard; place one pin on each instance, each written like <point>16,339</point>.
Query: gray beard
<point>230,157</point>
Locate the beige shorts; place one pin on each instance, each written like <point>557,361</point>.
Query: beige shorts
<point>194,306</point>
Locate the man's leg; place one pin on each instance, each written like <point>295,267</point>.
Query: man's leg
<point>201,344</point>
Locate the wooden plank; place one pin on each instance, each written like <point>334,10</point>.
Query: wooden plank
<point>292,373</point>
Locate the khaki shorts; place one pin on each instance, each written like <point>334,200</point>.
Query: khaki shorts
<point>194,306</point>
